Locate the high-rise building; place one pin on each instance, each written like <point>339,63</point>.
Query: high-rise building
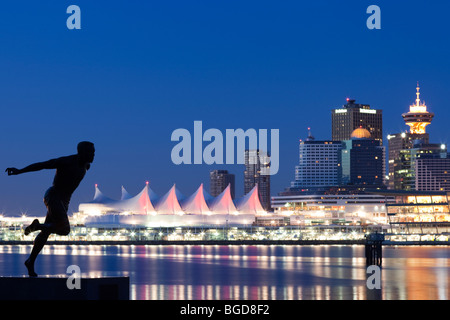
<point>396,164</point>
<point>256,163</point>
<point>425,167</point>
<point>219,180</point>
<point>362,161</point>
<point>318,164</point>
<point>433,173</point>
<point>353,116</point>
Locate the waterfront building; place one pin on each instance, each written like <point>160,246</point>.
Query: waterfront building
<point>353,116</point>
<point>333,208</point>
<point>423,213</point>
<point>219,180</point>
<point>335,214</point>
<point>256,162</point>
<point>171,210</point>
<point>362,161</point>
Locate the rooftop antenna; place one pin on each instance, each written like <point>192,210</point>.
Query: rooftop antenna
<point>310,136</point>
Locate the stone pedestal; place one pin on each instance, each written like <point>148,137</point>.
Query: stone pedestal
<point>57,288</point>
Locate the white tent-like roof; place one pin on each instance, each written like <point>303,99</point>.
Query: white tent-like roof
<point>169,203</point>
<point>250,203</point>
<point>223,203</point>
<point>125,194</point>
<point>172,209</point>
<point>139,204</point>
<point>99,197</point>
<point>154,198</point>
<point>196,203</point>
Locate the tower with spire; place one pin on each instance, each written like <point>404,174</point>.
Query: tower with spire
<point>418,117</point>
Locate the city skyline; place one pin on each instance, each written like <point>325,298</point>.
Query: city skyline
<point>134,74</point>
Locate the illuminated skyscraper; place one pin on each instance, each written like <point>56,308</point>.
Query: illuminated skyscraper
<point>255,162</point>
<point>353,116</point>
<point>396,166</point>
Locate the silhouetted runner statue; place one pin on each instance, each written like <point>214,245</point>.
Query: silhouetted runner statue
<point>70,171</point>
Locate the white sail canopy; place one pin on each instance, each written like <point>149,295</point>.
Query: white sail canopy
<point>173,208</point>
<point>139,204</point>
<point>250,203</point>
<point>169,203</point>
<point>196,203</point>
<point>99,197</point>
<point>223,203</point>
<point>125,194</point>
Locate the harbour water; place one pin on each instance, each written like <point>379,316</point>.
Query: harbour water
<point>248,272</point>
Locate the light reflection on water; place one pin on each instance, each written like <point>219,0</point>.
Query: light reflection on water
<point>208,272</point>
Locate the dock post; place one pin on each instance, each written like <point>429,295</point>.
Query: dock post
<point>374,251</point>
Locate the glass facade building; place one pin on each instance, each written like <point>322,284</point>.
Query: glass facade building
<point>353,116</point>
<point>219,180</point>
<point>318,164</point>
<point>362,163</point>
<point>255,161</point>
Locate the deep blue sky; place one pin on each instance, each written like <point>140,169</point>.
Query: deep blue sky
<point>137,70</point>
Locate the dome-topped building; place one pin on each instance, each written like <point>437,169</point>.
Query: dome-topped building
<point>362,161</point>
<point>360,133</point>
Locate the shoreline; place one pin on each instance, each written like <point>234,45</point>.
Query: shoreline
<point>231,242</point>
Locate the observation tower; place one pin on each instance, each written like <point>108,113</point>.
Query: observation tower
<point>418,117</point>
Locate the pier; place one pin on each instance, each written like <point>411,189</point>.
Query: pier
<point>374,249</point>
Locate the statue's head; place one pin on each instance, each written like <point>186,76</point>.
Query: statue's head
<point>86,151</point>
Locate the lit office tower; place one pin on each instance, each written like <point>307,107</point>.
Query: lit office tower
<point>256,163</point>
<point>396,165</point>
<point>425,167</point>
<point>318,164</point>
<point>219,180</point>
<point>433,171</point>
<point>353,116</point>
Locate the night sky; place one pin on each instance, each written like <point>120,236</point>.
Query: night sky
<point>138,70</point>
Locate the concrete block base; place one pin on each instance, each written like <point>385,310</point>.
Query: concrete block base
<point>56,288</point>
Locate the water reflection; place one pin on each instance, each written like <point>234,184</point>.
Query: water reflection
<point>206,272</point>
<point>236,292</point>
